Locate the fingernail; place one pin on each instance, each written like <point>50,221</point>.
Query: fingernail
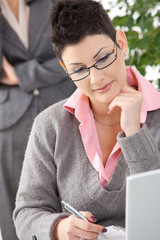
<point>104,230</point>
<point>108,110</point>
<point>93,218</point>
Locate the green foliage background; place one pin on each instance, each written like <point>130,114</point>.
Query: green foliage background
<point>142,34</point>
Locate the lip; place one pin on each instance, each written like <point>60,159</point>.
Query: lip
<point>105,88</point>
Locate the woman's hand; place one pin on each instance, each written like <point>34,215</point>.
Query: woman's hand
<point>130,102</point>
<point>74,228</point>
<point>9,75</point>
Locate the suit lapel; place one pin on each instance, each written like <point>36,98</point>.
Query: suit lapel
<point>10,36</point>
<point>29,1</point>
<point>39,19</point>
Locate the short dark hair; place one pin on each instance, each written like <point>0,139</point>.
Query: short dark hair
<point>72,20</point>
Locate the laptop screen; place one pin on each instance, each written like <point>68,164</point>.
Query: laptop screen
<point>143,206</point>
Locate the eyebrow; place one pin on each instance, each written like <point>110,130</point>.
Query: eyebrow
<point>93,56</point>
<point>99,52</point>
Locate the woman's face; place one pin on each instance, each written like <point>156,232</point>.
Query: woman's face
<point>104,84</point>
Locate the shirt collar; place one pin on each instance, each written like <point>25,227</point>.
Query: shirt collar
<point>151,97</point>
<point>78,103</point>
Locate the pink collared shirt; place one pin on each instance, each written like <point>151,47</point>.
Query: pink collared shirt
<point>78,104</point>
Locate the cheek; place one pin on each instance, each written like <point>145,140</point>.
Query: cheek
<point>85,88</point>
<point>78,84</point>
<point>82,85</point>
<point>120,70</point>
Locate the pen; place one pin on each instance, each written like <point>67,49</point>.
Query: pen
<point>72,210</point>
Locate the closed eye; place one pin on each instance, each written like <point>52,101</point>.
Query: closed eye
<point>105,58</point>
<point>79,70</point>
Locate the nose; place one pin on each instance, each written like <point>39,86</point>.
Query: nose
<point>95,75</point>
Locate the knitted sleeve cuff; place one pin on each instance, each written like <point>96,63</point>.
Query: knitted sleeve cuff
<point>54,238</point>
<point>48,226</point>
<point>137,146</point>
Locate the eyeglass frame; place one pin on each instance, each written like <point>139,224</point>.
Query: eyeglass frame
<point>94,65</point>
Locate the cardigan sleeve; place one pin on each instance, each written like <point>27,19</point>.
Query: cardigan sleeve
<point>140,150</point>
<point>37,204</point>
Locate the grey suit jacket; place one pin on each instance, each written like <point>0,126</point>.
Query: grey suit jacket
<point>0,45</point>
<point>36,67</point>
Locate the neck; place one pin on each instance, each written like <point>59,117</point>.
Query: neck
<point>107,124</point>
<point>100,113</point>
<point>99,109</point>
<point>14,6</point>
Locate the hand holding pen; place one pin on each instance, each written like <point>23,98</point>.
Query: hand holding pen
<point>74,227</point>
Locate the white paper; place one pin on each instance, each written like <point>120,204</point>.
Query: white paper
<point>113,233</point>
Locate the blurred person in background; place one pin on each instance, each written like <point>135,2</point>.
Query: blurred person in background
<point>31,79</point>
<point>110,124</point>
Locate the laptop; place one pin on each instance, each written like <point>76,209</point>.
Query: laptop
<point>143,206</point>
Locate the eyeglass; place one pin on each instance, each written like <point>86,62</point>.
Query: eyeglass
<point>102,63</point>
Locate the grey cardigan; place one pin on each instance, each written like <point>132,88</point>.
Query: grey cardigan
<point>56,168</point>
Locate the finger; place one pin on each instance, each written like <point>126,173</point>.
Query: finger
<point>76,228</point>
<point>89,216</point>
<point>124,100</point>
<point>128,88</point>
<point>71,228</point>
<point>5,64</point>
<point>81,233</point>
<point>5,80</point>
<point>128,95</point>
<point>118,101</point>
<point>8,68</point>
<point>88,226</point>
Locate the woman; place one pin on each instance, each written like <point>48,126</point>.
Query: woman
<point>31,79</point>
<point>81,153</point>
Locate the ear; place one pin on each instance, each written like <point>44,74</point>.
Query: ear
<point>122,41</point>
<point>62,64</point>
